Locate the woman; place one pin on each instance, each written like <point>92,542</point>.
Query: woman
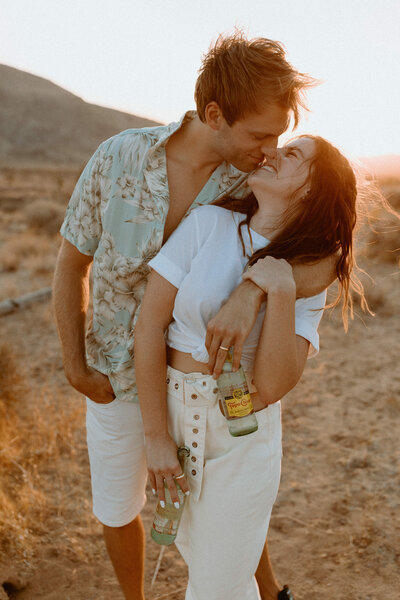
<point>303,208</point>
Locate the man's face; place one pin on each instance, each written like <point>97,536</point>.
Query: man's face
<point>246,143</point>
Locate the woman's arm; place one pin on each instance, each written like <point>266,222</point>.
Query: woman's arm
<point>281,354</point>
<point>151,368</point>
<point>235,319</point>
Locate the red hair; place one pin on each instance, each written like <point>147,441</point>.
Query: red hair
<point>244,76</point>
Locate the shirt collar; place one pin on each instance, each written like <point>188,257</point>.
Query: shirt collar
<point>170,129</point>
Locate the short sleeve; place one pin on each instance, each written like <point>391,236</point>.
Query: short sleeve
<point>308,313</point>
<point>174,260</point>
<point>82,224</point>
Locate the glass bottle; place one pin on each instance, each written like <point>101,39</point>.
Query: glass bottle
<point>236,399</point>
<point>166,520</point>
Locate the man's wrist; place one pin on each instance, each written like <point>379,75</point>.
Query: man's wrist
<point>252,288</point>
<point>76,372</point>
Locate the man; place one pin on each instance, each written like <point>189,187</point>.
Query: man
<point>132,194</point>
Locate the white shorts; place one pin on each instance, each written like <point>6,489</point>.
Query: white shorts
<point>117,458</point>
<point>233,483</point>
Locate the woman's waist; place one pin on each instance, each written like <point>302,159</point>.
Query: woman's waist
<point>184,362</point>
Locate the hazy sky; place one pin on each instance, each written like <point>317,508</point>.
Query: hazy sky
<point>143,56</point>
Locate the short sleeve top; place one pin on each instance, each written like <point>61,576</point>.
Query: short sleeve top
<point>204,259</point>
<point>117,214</point>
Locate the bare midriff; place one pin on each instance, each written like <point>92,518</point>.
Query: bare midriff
<point>184,362</point>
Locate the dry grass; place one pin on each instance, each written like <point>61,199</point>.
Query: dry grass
<point>25,249</point>
<point>28,446</point>
<point>45,216</point>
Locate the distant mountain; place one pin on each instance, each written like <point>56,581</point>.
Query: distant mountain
<point>43,124</point>
<point>384,167</point>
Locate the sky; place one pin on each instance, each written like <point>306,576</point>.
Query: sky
<point>143,56</point>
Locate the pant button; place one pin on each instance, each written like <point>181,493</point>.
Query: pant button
<point>194,444</point>
<point>167,380</point>
<point>193,471</point>
<point>194,396</point>
<point>194,459</point>
<point>176,386</point>
<point>195,430</point>
<point>196,417</point>
<point>215,390</point>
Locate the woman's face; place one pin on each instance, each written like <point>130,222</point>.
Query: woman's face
<point>287,173</point>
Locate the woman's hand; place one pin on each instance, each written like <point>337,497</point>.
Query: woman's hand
<point>271,274</point>
<point>163,465</point>
<point>231,326</point>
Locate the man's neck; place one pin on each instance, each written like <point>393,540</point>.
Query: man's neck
<point>192,147</point>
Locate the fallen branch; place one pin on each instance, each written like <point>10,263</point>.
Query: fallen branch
<point>162,550</point>
<point>12,304</point>
<point>170,593</point>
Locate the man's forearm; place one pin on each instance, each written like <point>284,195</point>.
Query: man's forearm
<point>71,298</point>
<point>314,279</point>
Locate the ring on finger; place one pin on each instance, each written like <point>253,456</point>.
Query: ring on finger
<point>223,348</point>
<point>180,476</point>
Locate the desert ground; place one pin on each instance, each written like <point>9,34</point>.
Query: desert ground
<point>335,528</point>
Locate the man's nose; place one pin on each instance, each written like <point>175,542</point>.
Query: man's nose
<point>270,152</point>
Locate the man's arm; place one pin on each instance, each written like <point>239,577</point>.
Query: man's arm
<point>314,279</point>
<point>234,321</point>
<point>71,299</point>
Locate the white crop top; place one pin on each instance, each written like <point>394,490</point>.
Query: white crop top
<point>204,259</point>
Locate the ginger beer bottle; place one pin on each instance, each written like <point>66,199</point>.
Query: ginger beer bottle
<point>236,400</point>
<point>166,520</point>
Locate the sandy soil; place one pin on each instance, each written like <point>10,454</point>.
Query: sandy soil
<point>334,531</point>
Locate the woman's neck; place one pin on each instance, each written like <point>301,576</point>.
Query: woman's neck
<point>267,220</point>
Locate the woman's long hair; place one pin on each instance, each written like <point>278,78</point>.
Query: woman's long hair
<point>319,224</point>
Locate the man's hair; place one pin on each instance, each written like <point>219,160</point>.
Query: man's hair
<point>245,76</point>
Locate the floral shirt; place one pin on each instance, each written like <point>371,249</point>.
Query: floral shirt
<point>117,214</point>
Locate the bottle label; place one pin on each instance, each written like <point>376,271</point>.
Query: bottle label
<point>239,403</point>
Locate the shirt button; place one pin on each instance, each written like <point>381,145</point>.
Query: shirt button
<point>195,430</point>
<point>215,390</point>
<point>194,444</point>
<point>194,459</point>
<point>176,386</point>
<point>193,471</point>
<point>204,383</point>
<point>194,396</point>
<point>196,417</point>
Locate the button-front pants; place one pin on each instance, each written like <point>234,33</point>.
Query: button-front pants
<point>233,483</point>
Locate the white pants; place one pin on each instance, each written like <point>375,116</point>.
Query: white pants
<point>233,482</point>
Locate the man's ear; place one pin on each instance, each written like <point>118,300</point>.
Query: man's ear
<point>213,115</point>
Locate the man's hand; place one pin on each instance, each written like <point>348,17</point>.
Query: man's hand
<point>231,326</point>
<point>93,384</point>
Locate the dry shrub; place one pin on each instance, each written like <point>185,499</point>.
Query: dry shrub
<point>379,237</point>
<point>21,248</point>
<point>45,216</point>
<point>34,434</point>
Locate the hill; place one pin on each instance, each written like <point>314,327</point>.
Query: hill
<point>43,124</point>
<point>383,167</point>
